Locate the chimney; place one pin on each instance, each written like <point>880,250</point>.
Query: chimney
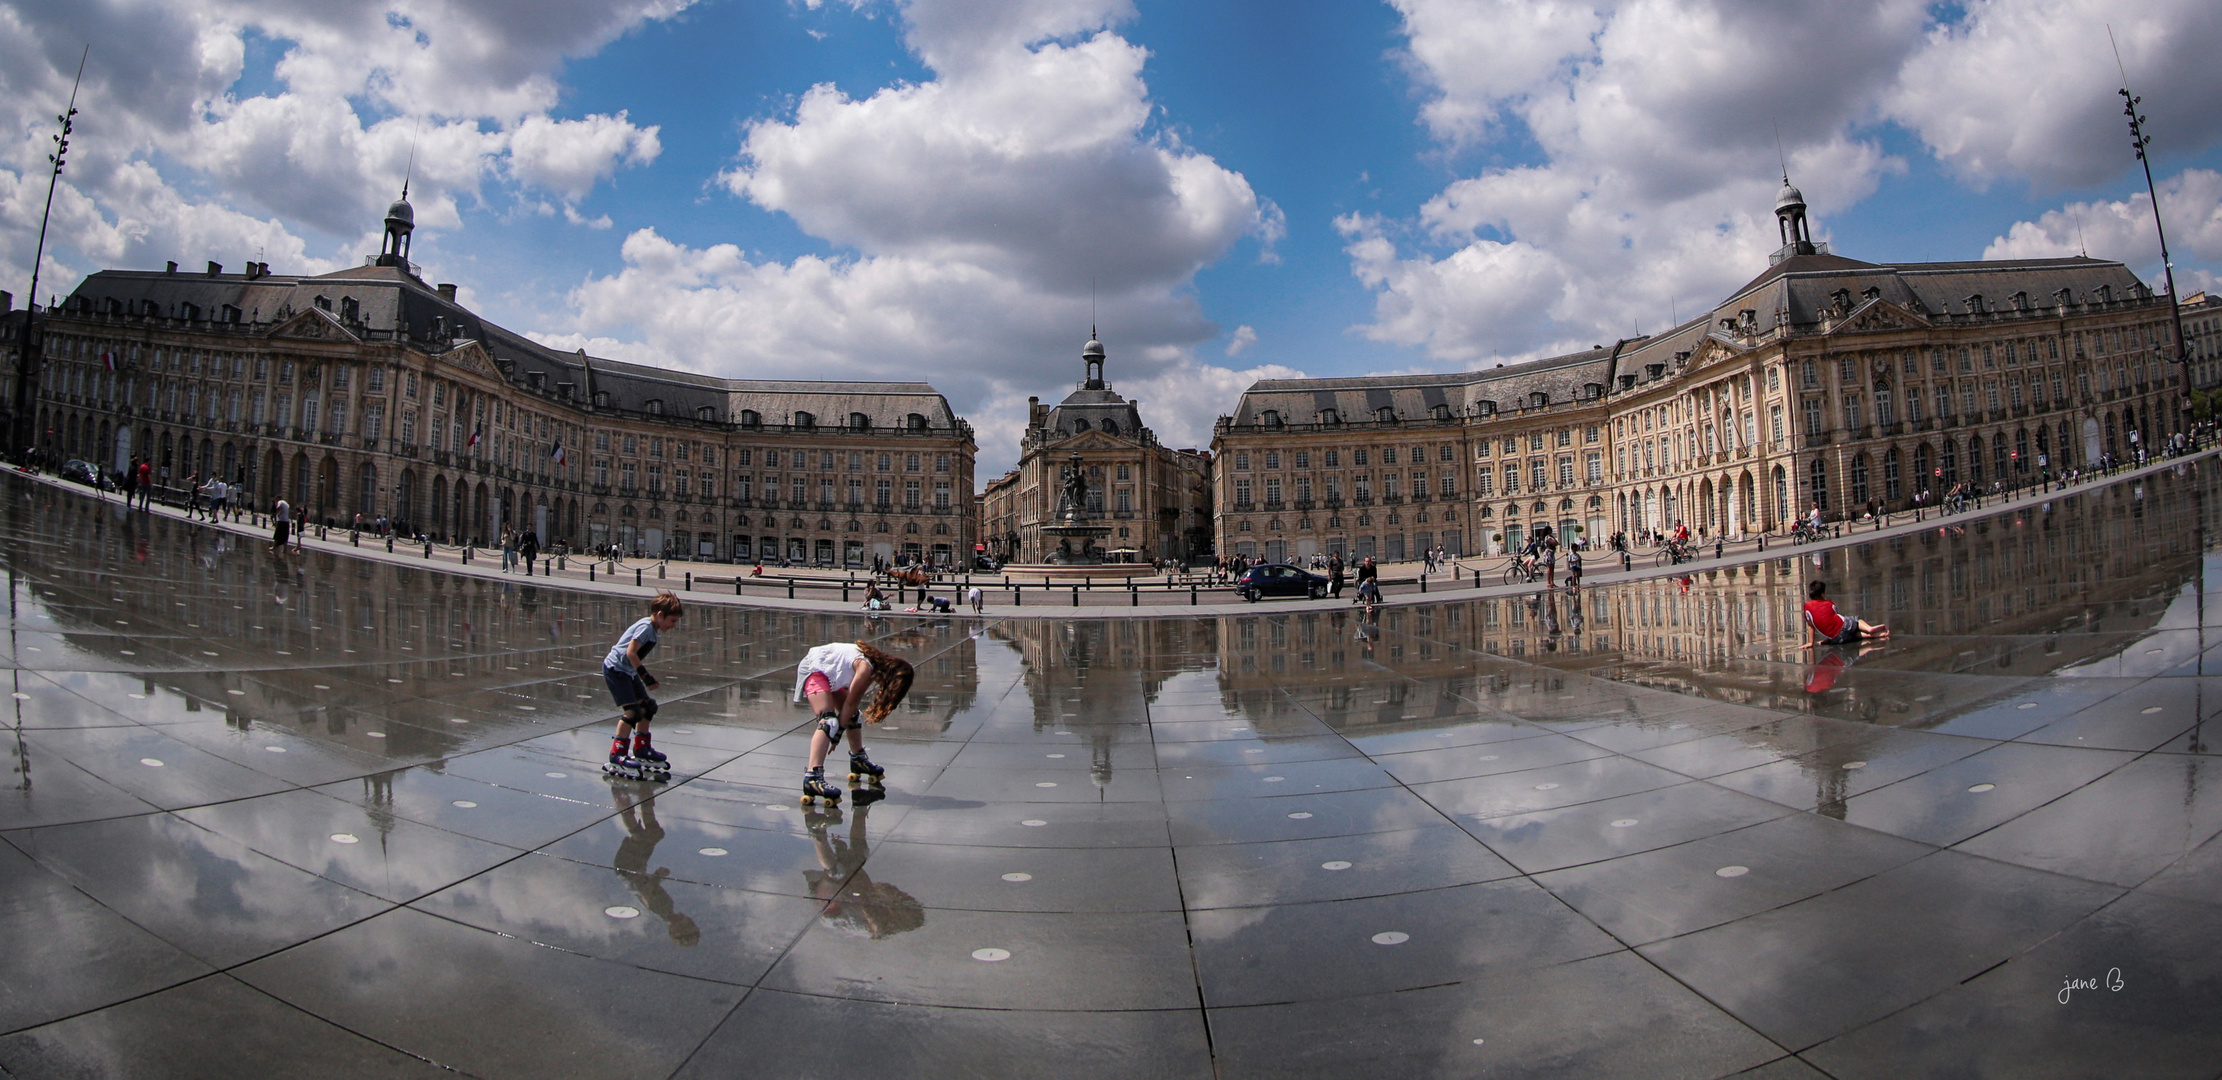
<point>171,268</point>
<point>215,268</point>
<point>447,291</point>
<point>250,270</point>
<point>7,301</point>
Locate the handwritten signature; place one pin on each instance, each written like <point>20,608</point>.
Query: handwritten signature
<point>2070,985</point>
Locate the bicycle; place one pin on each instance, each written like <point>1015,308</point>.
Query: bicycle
<point>1674,553</point>
<point>1523,570</point>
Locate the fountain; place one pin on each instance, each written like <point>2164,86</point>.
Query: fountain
<point>1076,536</point>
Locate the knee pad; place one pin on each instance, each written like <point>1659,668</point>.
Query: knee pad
<point>647,709</point>
<point>634,714</point>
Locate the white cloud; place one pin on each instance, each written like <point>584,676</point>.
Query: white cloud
<point>986,210</point>
<point>469,84</point>
<point>1657,123</point>
<point>2123,229</point>
<point>1244,337</point>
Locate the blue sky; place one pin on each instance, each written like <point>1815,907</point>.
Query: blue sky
<point>927,189</point>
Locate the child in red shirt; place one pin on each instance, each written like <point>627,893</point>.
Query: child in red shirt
<point>1824,625</point>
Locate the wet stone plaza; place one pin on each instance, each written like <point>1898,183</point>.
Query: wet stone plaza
<point>323,816</point>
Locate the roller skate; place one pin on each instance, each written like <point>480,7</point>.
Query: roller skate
<point>652,761</point>
<point>814,787</point>
<point>862,769</point>
<point>622,765</point>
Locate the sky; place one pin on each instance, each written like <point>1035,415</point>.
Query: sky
<point>956,191</point>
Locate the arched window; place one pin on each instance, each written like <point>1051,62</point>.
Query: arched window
<point>1110,427</point>
<point>1080,423</point>
<point>859,421</point>
<point>1270,418</point>
<point>1893,486</point>
<point>1329,416</point>
<point>805,420</point>
<point>917,421</point>
<point>751,418</point>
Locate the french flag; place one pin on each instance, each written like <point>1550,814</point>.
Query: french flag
<point>474,440</point>
<point>558,456</point>
<point>108,360</point>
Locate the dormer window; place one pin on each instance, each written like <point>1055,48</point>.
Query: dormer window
<point>350,310</point>
<point>1485,408</point>
<point>1871,293</point>
<point>653,407</point>
<point>1270,418</point>
<point>750,418</point>
<point>705,413</point>
<point>1440,411</point>
<point>323,303</point>
<point>1593,391</point>
<point>538,379</point>
<point>1654,372</point>
<point>1110,427</point>
<point>916,421</point>
<point>859,421</point>
<point>1539,400</point>
<point>805,420</point>
<point>601,399</point>
<point>1329,416</point>
<point>1080,423</point>
<point>1386,414</point>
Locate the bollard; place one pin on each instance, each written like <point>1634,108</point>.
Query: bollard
<point>1134,597</point>
<point>736,584</point>
<point>1626,564</point>
<point>690,582</point>
<point>590,573</point>
<point>355,539</point>
<point>1076,596</point>
<point>790,588</point>
<point>1018,595</point>
<point>389,545</point>
<point>428,549</point>
<point>660,570</point>
<point>636,576</point>
<point>845,592</point>
<point>1423,584</point>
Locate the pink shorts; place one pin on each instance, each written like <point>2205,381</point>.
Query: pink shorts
<point>817,683</point>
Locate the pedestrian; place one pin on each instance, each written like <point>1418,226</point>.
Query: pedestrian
<point>626,674</point>
<point>1368,577</point>
<point>978,601</point>
<point>833,679</point>
<point>281,519</point>
<point>508,549</point>
<point>1824,625</point>
<point>1574,567</point>
<point>218,494</point>
<point>528,549</point>
<point>146,484</point>
<point>193,496</point>
<point>1334,575</point>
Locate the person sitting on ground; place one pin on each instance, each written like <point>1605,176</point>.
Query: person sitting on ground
<point>1824,625</point>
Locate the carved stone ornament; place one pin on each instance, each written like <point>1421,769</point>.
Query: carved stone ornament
<point>1878,316</point>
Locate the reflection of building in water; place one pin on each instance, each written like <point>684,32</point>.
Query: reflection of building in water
<point>852,900</point>
<point>642,834</point>
<point>1098,678</point>
<point>770,643</point>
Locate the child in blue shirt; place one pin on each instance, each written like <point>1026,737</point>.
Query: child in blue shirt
<point>629,683</point>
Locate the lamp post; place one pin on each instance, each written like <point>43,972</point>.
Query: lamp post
<point>2139,141</point>
<point>30,349</point>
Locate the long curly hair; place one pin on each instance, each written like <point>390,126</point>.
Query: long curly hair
<point>894,678</point>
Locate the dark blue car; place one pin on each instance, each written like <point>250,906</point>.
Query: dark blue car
<point>1279,579</point>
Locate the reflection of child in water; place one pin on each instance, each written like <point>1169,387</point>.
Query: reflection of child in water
<point>642,834</point>
<point>853,901</point>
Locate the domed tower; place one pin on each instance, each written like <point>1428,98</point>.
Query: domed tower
<point>401,220</point>
<point>1091,357</point>
<point>1797,235</point>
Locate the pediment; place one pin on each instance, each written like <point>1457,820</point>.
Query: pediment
<point>1878,316</point>
<point>315,324</point>
<point>1710,351</point>
<point>472,357</point>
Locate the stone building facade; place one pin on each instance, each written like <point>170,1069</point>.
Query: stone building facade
<point>1157,500</point>
<point>368,391</point>
<point>2202,338</point>
<point>1824,381</point>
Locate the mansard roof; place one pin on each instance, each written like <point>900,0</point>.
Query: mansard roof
<point>393,305</point>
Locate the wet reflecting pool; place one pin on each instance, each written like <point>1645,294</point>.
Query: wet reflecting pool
<point>328,816</point>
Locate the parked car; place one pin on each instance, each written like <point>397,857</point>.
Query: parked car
<point>1279,579</point>
<point>84,472</point>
